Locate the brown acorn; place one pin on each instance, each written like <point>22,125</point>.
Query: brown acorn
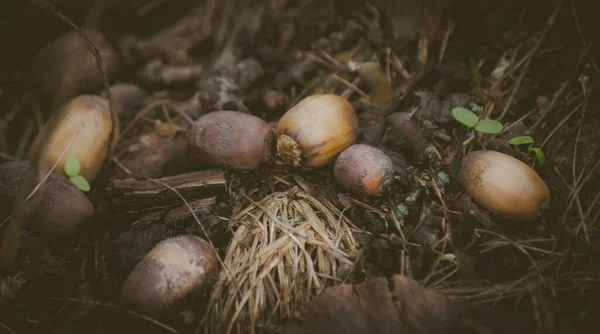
<point>403,134</point>
<point>65,67</point>
<point>313,132</point>
<point>364,170</point>
<point>172,270</point>
<point>504,185</point>
<point>88,114</point>
<point>231,139</point>
<point>61,207</point>
<point>126,97</point>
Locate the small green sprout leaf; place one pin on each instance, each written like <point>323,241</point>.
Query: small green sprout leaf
<point>539,154</point>
<point>465,116</point>
<point>401,211</point>
<point>443,178</point>
<point>80,182</point>
<point>521,140</point>
<point>489,126</point>
<point>72,166</point>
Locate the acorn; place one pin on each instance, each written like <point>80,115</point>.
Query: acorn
<point>504,185</point>
<point>126,98</point>
<point>403,134</point>
<point>88,114</point>
<point>313,132</point>
<point>65,67</point>
<point>61,206</point>
<point>364,170</point>
<point>172,270</point>
<point>231,139</point>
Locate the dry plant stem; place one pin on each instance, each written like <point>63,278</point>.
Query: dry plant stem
<point>583,42</point>
<point>282,253</point>
<point>115,307</point>
<point>520,119</point>
<point>154,104</point>
<point>520,248</point>
<point>534,50</point>
<point>559,93</point>
<point>7,329</point>
<point>351,86</point>
<point>571,189</point>
<point>399,67</point>
<point>447,34</point>
<point>560,124</point>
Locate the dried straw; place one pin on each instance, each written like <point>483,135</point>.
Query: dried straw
<point>285,250</point>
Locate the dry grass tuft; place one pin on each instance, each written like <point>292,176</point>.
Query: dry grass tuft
<point>285,250</point>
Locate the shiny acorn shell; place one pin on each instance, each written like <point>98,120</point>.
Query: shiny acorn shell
<point>231,139</point>
<point>364,170</point>
<point>313,132</point>
<point>503,185</point>
<point>88,114</point>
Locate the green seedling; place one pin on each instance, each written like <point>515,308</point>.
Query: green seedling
<point>470,119</point>
<point>72,169</point>
<point>527,140</point>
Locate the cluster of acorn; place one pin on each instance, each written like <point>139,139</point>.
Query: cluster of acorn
<point>319,130</point>
<point>323,128</point>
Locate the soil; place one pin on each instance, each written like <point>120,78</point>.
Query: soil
<point>430,260</point>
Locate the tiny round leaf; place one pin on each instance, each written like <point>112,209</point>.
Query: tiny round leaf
<point>489,126</point>
<point>80,182</point>
<point>521,140</point>
<point>465,116</point>
<point>72,166</point>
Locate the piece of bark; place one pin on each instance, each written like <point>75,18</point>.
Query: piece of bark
<point>200,206</point>
<point>148,192</point>
<point>400,306</point>
<point>364,308</point>
<point>423,310</point>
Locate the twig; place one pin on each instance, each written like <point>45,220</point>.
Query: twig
<point>6,328</point>
<point>530,55</point>
<point>560,124</point>
<point>583,42</point>
<point>351,86</point>
<point>558,94</point>
<point>447,34</point>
